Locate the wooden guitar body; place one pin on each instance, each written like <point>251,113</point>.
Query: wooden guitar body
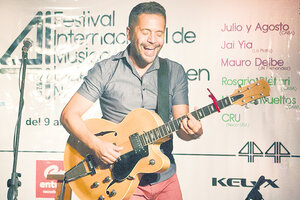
<point>140,134</point>
<point>121,183</point>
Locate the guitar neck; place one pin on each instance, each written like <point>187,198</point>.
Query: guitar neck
<point>174,125</point>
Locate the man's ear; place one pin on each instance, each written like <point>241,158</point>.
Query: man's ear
<point>128,32</point>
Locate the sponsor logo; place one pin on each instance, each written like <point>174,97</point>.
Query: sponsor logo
<point>46,188</point>
<point>276,151</point>
<point>241,182</point>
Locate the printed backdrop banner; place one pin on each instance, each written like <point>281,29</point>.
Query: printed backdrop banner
<point>221,44</point>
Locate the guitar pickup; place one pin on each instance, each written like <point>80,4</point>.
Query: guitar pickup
<point>136,143</point>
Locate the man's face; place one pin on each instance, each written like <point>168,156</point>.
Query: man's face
<point>147,38</point>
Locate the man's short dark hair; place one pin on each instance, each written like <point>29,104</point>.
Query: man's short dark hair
<point>148,8</point>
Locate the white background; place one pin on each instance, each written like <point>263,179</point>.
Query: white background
<point>216,154</point>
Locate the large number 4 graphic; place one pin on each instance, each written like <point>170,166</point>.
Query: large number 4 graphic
<point>37,21</point>
<point>277,150</point>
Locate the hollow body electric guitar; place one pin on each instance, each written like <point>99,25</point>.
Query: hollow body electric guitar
<point>140,134</point>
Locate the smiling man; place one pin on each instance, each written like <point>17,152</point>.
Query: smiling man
<point>146,34</point>
<point>129,80</point>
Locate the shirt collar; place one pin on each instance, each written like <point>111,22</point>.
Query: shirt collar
<point>124,54</point>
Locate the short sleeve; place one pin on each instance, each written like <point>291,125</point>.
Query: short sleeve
<point>179,84</point>
<point>92,85</point>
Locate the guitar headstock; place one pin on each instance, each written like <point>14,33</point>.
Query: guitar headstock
<point>250,92</point>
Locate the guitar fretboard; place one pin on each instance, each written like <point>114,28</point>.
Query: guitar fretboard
<point>174,125</point>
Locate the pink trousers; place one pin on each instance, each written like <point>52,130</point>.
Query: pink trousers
<point>166,190</point>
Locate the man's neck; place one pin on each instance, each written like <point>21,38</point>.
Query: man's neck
<point>140,67</point>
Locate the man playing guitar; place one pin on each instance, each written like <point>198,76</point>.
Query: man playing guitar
<point>126,81</point>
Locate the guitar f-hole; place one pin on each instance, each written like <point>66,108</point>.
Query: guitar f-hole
<point>106,132</point>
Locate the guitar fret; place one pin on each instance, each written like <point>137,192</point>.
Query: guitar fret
<point>206,111</point>
<point>164,130</point>
<point>142,139</point>
<point>149,137</point>
<point>212,108</point>
<point>226,101</point>
<point>159,132</point>
<point>194,114</point>
<point>172,126</point>
<point>156,133</point>
<point>178,122</point>
<point>220,104</point>
<point>197,116</point>
<point>153,135</point>
<point>200,113</point>
<point>145,138</point>
<point>163,134</point>
<point>168,127</point>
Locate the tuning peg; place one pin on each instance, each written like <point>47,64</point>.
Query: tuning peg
<point>255,102</point>
<point>240,86</point>
<point>246,106</point>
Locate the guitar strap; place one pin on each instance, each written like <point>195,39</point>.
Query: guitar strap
<point>164,104</point>
<point>163,107</point>
<point>163,110</point>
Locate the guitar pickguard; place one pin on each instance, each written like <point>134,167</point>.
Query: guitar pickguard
<point>126,162</point>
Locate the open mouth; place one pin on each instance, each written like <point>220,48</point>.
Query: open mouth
<point>149,51</point>
<point>149,48</point>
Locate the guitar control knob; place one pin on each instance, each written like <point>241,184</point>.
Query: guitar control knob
<point>107,179</point>
<point>113,193</point>
<point>152,162</point>
<point>101,198</point>
<point>95,185</point>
